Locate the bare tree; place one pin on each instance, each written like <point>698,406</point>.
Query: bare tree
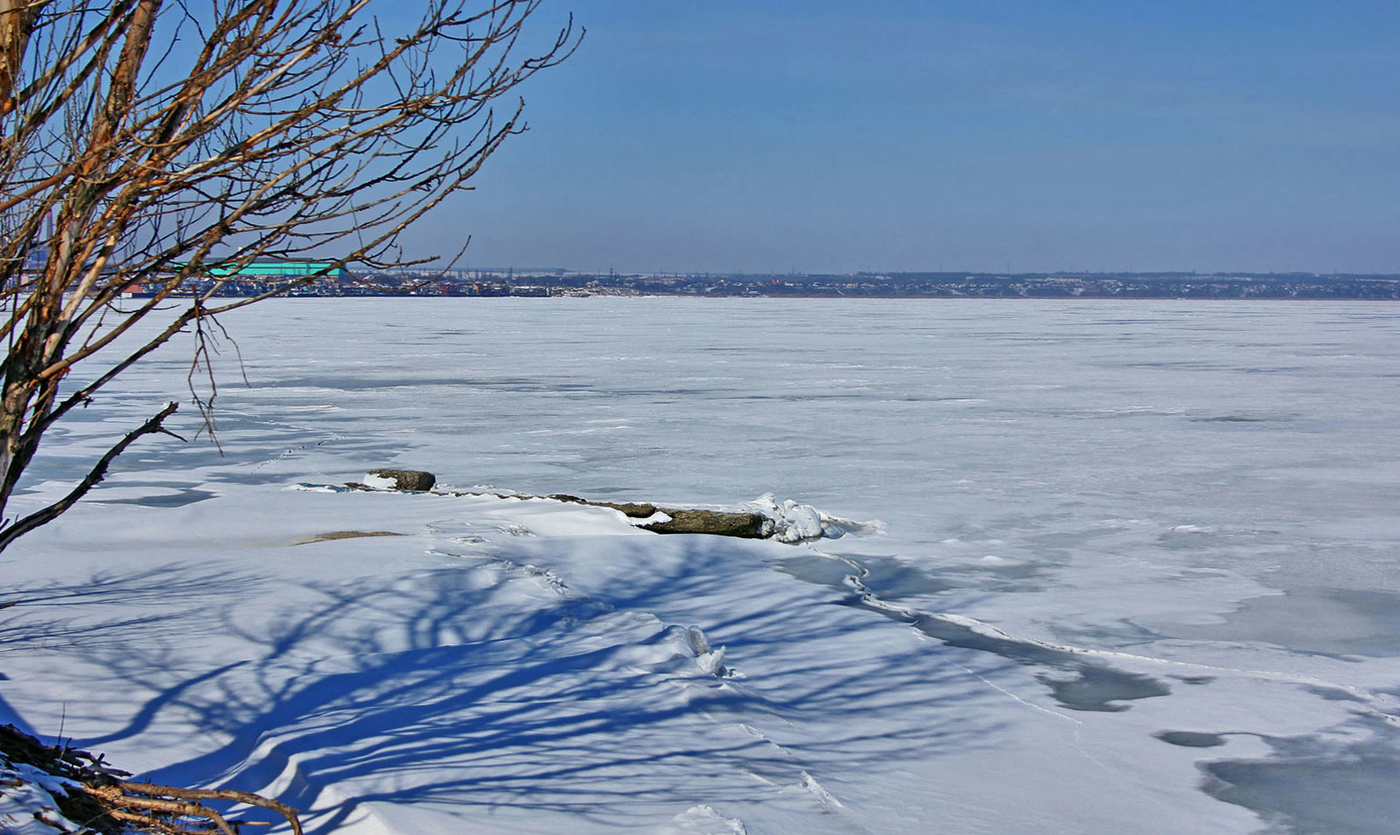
<point>164,145</point>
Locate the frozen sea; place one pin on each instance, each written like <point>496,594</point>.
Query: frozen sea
<point>1137,569</point>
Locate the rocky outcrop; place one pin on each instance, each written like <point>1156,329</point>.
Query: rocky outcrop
<point>413,480</point>
<point>789,522</point>
<point>716,522</point>
<point>686,520</point>
<point>332,536</point>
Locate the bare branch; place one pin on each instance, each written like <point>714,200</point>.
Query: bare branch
<point>173,800</point>
<point>148,145</point>
<point>93,478</point>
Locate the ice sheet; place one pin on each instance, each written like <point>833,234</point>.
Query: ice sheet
<point>1137,570</point>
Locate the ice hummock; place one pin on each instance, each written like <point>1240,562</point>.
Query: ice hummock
<point>794,522</point>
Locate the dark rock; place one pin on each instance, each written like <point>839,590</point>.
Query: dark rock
<point>331,536</point>
<point>632,510</point>
<point>716,522</point>
<point>415,480</point>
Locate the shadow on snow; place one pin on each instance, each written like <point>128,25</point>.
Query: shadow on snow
<point>491,684</point>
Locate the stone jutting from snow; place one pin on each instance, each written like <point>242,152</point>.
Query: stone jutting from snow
<point>414,480</point>
<point>743,524</point>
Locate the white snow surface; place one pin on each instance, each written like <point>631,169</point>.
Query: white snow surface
<point>378,482</point>
<point>1139,569</point>
<point>27,804</point>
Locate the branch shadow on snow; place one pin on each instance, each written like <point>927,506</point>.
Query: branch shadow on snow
<point>67,615</point>
<point>489,684</point>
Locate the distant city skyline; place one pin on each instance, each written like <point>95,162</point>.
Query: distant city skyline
<point>1012,136</point>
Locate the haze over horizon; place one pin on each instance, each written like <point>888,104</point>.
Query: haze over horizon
<point>956,135</point>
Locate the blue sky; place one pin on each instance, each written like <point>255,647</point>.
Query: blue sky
<point>778,135</point>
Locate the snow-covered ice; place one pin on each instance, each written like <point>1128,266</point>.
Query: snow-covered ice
<point>1137,569</point>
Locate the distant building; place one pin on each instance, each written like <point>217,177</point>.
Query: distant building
<point>252,279</point>
<point>281,269</point>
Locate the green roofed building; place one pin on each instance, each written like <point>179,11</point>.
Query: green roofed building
<point>274,269</point>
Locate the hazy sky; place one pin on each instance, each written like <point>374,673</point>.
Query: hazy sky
<point>777,135</point>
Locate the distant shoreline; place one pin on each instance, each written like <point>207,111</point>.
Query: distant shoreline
<point>944,285</point>
<point>802,297</point>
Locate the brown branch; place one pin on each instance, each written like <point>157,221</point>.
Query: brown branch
<point>121,800</point>
<point>298,130</point>
<point>99,471</point>
<point>248,798</point>
<point>167,800</point>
